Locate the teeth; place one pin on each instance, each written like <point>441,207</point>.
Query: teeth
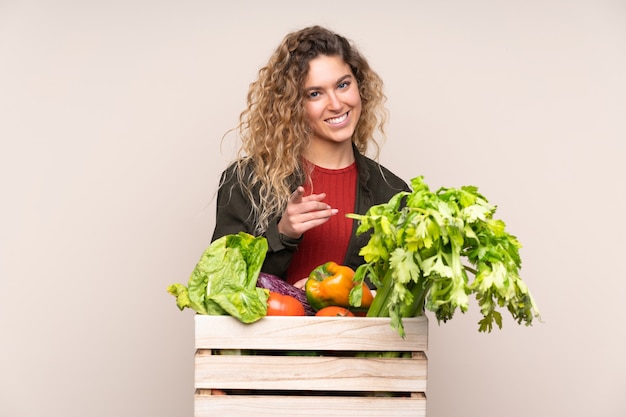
<point>338,119</point>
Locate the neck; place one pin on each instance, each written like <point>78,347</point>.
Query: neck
<point>330,155</point>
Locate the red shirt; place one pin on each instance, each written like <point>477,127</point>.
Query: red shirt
<point>329,241</point>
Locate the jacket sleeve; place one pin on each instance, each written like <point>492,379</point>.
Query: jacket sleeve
<point>232,209</point>
<point>234,215</point>
<point>280,252</point>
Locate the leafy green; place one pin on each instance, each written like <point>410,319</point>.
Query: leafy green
<point>416,253</point>
<point>224,279</point>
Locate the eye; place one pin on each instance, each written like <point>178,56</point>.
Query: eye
<point>343,85</point>
<point>314,94</point>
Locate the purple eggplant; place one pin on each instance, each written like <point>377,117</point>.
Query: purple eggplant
<point>276,284</point>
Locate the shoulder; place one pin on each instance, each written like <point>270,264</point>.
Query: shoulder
<point>236,173</point>
<point>377,175</point>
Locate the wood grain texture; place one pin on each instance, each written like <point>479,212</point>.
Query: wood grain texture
<point>311,373</point>
<point>303,366</point>
<point>312,333</point>
<point>307,406</point>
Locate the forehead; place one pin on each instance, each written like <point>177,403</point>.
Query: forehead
<point>324,70</point>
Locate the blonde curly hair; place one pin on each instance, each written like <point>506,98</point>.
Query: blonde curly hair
<point>274,129</point>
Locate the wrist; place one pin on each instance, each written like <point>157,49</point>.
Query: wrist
<point>288,241</point>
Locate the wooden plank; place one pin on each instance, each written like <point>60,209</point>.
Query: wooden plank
<point>310,333</point>
<point>306,406</point>
<point>322,373</point>
<point>329,384</point>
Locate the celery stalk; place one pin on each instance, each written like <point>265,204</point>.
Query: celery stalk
<point>420,242</point>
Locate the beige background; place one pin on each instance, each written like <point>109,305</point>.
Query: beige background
<point>111,113</point>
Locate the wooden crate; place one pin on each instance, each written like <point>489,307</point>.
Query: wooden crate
<point>309,366</point>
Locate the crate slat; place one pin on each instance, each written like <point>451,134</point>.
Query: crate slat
<point>311,373</point>
<point>306,406</point>
<point>294,333</point>
<point>303,366</point>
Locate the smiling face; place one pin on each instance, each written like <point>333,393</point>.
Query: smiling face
<point>333,103</point>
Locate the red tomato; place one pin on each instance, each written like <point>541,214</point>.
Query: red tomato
<point>334,311</point>
<point>284,305</point>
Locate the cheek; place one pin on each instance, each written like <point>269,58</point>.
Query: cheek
<point>312,111</point>
<point>356,99</point>
<point>356,106</point>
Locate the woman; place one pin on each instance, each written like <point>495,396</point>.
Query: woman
<point>301,168</point>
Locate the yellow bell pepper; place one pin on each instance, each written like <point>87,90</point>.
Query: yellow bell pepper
<point>330,285</point>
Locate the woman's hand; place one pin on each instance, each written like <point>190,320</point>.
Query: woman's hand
<point>301,283</point>
<point>304,213</point>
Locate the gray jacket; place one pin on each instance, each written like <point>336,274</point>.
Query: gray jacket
<point>376,185</point>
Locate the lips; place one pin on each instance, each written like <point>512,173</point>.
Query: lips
<point>338,120</point>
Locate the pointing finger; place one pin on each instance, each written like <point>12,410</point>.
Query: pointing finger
<point>296,196</point>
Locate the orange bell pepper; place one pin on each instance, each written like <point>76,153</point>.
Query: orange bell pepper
<point>330,285</point>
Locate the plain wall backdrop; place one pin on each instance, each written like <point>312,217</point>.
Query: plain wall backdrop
<point>111,116</point>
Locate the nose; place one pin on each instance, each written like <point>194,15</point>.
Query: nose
<point>334,103</point>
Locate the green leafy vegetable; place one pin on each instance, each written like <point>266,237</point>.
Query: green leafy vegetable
<point>416,253</point>
<point>224,279</point>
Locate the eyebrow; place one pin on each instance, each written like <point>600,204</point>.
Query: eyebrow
<point>340,80</point>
